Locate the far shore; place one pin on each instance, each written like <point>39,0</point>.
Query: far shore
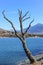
<point>17,37</point>
<point>11,35</point>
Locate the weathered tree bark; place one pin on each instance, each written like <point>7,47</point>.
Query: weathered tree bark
<point>28,53</point>
<point>22,37</point>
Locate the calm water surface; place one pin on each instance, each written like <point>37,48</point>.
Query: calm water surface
<point>11,50</point>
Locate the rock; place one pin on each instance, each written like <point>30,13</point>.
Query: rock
<point>39,61</point>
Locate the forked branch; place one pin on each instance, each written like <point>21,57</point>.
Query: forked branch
<point>11,25</point>
<point>26,18</point>
<point>20,20</point>
<point>25,15</point>
<point>28,26</point>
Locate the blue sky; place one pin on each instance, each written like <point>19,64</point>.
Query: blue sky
<point>35,8</point>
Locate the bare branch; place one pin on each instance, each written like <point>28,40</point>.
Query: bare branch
<point>20,19</point>
<point>9,21</point>
<point>25,14</point>
<point>29,26</point>
<point>11,25</point>
<point>19,37</point>
<point>19,12</point>
<point>26,18</point>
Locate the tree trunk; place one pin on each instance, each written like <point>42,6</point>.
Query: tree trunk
<point>28,53</point>
<point>22,38</point>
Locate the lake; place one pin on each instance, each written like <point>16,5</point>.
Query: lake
<point>11,50</point>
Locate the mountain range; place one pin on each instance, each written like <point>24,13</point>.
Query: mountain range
<point>36,29</point>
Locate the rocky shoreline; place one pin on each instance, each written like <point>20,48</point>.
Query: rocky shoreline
<point>39,59</point>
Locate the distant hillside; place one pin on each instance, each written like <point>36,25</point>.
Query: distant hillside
<point>6,33</point>
<point>1,29</point>
<point>36,29</point>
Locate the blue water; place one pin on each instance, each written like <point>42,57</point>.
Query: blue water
<point>11,50</point>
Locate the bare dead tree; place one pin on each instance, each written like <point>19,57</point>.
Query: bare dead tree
<point>22,37</point>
